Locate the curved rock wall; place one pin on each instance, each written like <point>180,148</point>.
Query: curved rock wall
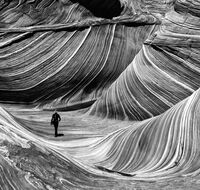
<point>58,52</point>
<point>164,72</point>
<point>141,65</point>
<point>159,147</point>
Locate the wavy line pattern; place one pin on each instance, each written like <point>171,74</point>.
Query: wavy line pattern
<point>164,72</point>
<point>141,64</point>
<point>29,162</point>
<point>66,67</point>
<point>160,147</point>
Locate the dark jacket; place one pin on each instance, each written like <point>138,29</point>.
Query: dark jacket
<point>55,118</point>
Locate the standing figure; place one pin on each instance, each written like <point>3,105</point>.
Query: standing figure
<point>55,121</point>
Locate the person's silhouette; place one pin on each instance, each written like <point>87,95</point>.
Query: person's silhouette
<point>55,121</point>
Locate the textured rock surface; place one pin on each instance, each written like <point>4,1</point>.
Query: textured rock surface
<point>73,64</point>
<point>164,72</point>
<point>135,62</point>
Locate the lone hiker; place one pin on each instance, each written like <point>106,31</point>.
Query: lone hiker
<point>54,121</point>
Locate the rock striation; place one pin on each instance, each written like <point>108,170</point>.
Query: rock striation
<point>164,72</point>
<point>135,62</point>
<point>57,53</point>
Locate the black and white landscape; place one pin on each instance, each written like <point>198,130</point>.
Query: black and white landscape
<point>124,76</point>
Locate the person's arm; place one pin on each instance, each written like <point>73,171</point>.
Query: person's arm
<point>52,120</point>
<point>59,118</point>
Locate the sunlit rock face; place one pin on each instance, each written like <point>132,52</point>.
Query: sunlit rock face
<point>132,63</point>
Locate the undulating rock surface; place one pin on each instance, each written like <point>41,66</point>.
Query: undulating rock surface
<point>126,76</point>
<point>57,51</point>
<point>164,72</point>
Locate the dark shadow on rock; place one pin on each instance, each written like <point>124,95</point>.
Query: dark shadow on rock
<point>112,171</point>
<point>59,135</point>
<point>102,8</point>
<point>74,107</point>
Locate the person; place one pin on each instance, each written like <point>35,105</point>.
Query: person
<point>55,121</point>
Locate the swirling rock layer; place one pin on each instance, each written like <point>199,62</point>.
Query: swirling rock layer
<point>166,145</point>
<point>136,60</point>
<point>164,72</point>
<point>73,64</point>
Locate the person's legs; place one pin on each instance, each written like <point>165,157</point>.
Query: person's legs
<point>56,129</point>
